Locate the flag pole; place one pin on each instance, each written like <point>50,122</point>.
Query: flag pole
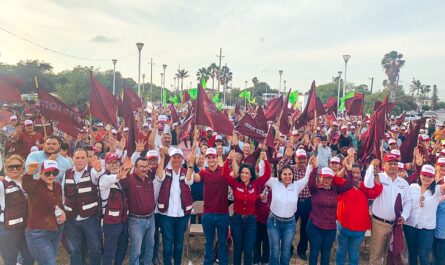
<point>41,116</point>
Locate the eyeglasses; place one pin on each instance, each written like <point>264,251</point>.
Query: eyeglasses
<point>16,167</point>
<point>422,201</point>
<point>52,172</point>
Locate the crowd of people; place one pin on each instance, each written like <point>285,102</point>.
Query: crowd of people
<point>102,203</point>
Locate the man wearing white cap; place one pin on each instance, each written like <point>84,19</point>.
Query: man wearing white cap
<point>11,127</point>
<point>5,113</point>
<point>27,138</point>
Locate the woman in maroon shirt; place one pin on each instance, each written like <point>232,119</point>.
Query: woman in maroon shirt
<point>45,214</point>
<point>245,192</point>
<point>321,228</point>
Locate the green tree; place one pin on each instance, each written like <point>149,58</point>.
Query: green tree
<point>434,98</point>
<point>203,73</point>
<point>181,74</point>
<point>392,63</point>
<point>213,71</point>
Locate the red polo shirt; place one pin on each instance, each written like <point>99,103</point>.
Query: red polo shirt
<point>215,191</point>
<point>26,141</point>
<point>140,194</point>
<point>245,197</point>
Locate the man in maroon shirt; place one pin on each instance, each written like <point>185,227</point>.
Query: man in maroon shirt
<point>27,138</point>
<point>139,190</point>
<point>216,214</point>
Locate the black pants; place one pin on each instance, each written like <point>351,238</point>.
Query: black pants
<point>303,210</point>
<point>261,250</point>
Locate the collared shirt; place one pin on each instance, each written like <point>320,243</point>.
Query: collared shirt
<point>105,183</point>
<point>383,205</point>
<point>40,156</point>
<point>2,195</point>
<point>139,193</point>
<point>285,199</point>
<point>324,155</point>
<point>423,217</point>
<point>174,201</point>
<point>215,190</point>
<point>298,173</point>
<point>440,216</point>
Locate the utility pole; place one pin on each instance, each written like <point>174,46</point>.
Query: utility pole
<point>224,88</point>
<point>151,78</point>
<point>372,83</point>
<point>219,67</point>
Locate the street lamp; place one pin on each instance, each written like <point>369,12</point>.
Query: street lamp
<point>114,76</point>
<point>163,82</point>
<point>162,90</point>
<point>143,83</point>
<point>139,45</point>
<point>284,85</point>
<point>280,72</point>
<point>338,90</point>
<point>346,58</point>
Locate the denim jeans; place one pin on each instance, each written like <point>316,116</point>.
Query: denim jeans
<point>44,245</point>
<point>141,232</point>
<point>261,250</point>
<point>220,223</point>
<point>156,254</point>
<point>304,208</point>
<point>438,251</point>
<point>348,243</point>
<point>13,242</point>
<point>115,243</point>
<point>320,240</point>
<point>90,228</point>
<point>243,231</point>
<point>281,234</point>
<point>173,229</point>
<point>420,244</point>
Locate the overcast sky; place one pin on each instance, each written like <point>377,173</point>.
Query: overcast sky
<point>304,38</point>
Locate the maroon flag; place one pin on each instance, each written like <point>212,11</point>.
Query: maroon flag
<point>54,109</point>
<point>9,93</point>
<point>373,135</point>
<point>237,108</point>
<point>407,147</point>
<point>130,97</point>
<point>103,105</point>
<point>185,128</point>
<point>173,113</point>
<point>208,114</point>
<point>354,107</point>
<point>284,117</point>
<point>331,105</point>
<point>377,105</point>
<point>120,107</point>
<point>401,119</point>
<point>274,108</point>
<point>260,119</point>
<point>249,127</point>
<point>185,97</point>
<point>313,105</point>
<point>133,133</point>
<point>269,141</point>
<point>396,244</point>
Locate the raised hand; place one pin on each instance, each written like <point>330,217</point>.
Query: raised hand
<point>140,145</point>
<point>263,156</point>
<point>313,161</point>
<point>32,167</point>
<point>288,151</point>
<point>162,152</point>
<point>123,171</point>
<point>53,157</point>
<point>96,163</point>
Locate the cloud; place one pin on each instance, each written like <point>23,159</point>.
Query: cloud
<point>103,39</point>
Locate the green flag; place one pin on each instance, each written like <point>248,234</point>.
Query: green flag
<point>203,83</point>
<point>344,98</point>
<point>174,100</point>
<point>193,92</point>
<point>216,98</point>
<point>245,94</point>
<point>293,97</point>
<point>164,97</point>
<point>219,105</point>
<point>253,101</point>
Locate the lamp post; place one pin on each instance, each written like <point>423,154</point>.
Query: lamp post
<point>163,82</point>
<point>338,90</point>
<point>143,83</point>
<point>139,45</point>
<point>162,90</point>
<point>280,72</point>
<point>284,86</point>
<point>346,58</point>
<point>114,76</point>
<point>372,82</point>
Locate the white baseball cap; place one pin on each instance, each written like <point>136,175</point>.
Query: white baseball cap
<point>211,151</point>
<point>428,170</point>
<point>335,159</point>
<point>208,129</point>
<point>28,122</point>
<point>100,124</point>
<point>301,153</point>
<point>145,125</point>
<point>152,154</point>
<point>327,172</point>
<point>440,161</point>
<point>48,165</point>
<point>396,152</point>
<point>218,138</point>
<point>401,165</point>
<point>125,129</point>
<point>162,118</point>
<point>392,141</point>
<point>13,118</point>
<point>175,151</point>
<point>295,132</point>
<point>113,131</point>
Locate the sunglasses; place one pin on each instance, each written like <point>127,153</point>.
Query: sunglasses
<point>16,167</point>
<point>51,173</point>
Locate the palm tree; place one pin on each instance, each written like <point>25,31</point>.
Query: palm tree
<point>255,81</point>
<point>213,70</point>
<point>415,87</point>
<point>181,74</point>
<point>226,75</point>
<point>203,73</point>
<point>392,63</point>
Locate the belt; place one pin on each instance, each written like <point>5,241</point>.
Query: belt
<point>304,199</point>
<point>245,216</point>
<point>281,218</point>
<point>140,216</point>
<point>383,220</point>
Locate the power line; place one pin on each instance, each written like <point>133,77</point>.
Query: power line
<point>61,53</point>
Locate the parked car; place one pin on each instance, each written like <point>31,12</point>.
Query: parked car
<point>429,114</point>
<point>410,116</point>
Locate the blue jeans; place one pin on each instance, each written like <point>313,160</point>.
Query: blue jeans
<point>44,244</point>
<point>438,253</point>
<point>173,229</point>
<point>220,223</point>
<point>304,208</point>
<point>261,250</point>
<point>281,233</point>
<point>320,240</point>
<point>348,243</point>
<point>90,228</point>
<point>243,234</point>
<point>420,244</point>
<point>141,231</point>
<point>115,243</point>
<point>13,242</point>
<point>156,257</point>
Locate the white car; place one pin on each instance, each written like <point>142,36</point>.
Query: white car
<point>411,116</point>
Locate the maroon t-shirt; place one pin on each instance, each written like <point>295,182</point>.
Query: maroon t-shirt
<point>140,194</point>
<point>26,141</point>
<point>215,191</point>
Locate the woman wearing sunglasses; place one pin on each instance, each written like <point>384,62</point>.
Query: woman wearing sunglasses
<point>419,227</point>
<point>13,214</point>
<point>45,214</point>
